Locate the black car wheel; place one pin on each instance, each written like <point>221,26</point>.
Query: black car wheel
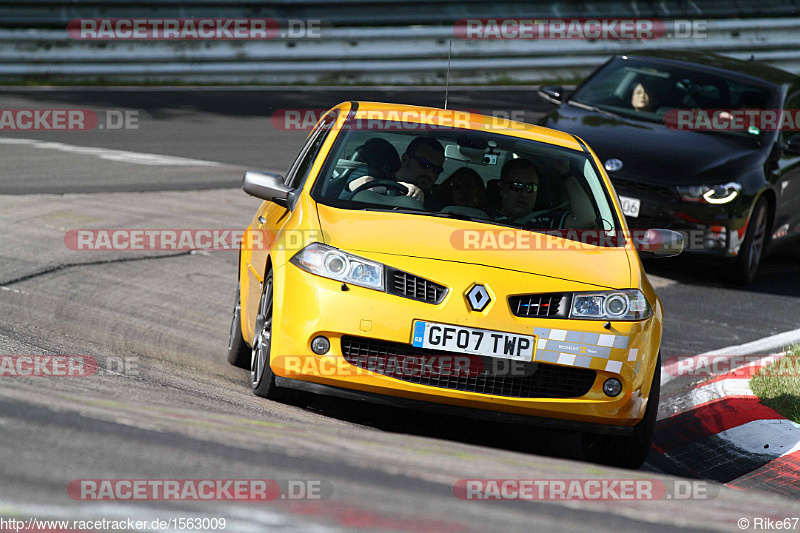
<point>262,379</point>
<point>629,451</point>
<point>744,267</point>
<point>239,352</point>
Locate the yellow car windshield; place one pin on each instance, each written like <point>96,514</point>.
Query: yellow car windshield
<point>476,175</point>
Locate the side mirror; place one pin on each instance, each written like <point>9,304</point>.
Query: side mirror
<point>793,145</point>
<point>267,186</point>
<point>657,243</point>
<point>552,93</point>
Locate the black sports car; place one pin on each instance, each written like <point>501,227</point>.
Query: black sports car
<point>684,138</point>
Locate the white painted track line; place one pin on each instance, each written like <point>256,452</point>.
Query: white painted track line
<point>121,156</point>
<point>774,343</point>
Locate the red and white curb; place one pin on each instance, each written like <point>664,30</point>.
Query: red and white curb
<point>719,429</point>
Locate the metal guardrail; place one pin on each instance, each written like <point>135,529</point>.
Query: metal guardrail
<point>411,55</point>
<point>56,13</point>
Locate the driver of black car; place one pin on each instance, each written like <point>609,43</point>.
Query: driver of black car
<point>643,97</point>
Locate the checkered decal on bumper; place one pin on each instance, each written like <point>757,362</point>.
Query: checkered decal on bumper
<point>584,349</point>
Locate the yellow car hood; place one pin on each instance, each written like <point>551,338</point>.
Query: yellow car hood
<point>445,240</point>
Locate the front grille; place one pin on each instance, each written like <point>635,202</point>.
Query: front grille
<point>499,377</point>
<point>410,286</point>
<point>645,222</point>
<point>639,189</point>
<point>554,305</point>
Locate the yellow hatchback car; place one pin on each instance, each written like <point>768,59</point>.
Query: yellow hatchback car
<point>444,260</point>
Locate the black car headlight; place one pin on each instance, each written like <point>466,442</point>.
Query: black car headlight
<point>628,304</point>
<point>714,194</point>
<point>330,262</point>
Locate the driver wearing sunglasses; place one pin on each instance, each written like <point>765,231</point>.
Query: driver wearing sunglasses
<point>519,186</point>
<point>420,166</point>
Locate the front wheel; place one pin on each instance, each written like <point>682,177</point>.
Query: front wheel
<point>631,450</point>
<point>239,352</point>
<point>262,379</point>
<point>743,268</point>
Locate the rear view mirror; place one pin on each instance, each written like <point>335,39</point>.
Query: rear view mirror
<point>552,93</point>
<point>658,243</point>
<point>473,141</point>
<point>267,186</point>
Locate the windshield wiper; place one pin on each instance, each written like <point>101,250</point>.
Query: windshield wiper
<point>457,216</point>
<point>594,108</point>
<point>461,216</point>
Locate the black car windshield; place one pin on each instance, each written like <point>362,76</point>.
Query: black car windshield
<point>649,91</point>
<point>484,177</point>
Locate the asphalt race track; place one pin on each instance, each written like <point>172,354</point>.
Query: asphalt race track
<point>165,404</point>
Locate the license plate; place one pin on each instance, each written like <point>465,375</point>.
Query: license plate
<point>630,206</point>
<point>473,341</point>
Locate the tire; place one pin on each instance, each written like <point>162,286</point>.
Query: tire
<point>239,353</point>
<point>631,450</point>
<point>262,379</point>
<point>743,269</point>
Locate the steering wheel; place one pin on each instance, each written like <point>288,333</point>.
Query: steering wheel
<point>531,225</point>
<point>389,184</point>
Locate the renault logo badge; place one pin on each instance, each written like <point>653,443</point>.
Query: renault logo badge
<point>478,298</point>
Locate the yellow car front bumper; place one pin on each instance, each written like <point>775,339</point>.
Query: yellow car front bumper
<point>307,306</point>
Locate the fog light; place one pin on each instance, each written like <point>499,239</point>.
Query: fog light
<point>320,345</point>
<point>716,237</point>
<point>612,387</point>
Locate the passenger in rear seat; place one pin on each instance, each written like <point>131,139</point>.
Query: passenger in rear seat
<point>464,188</point>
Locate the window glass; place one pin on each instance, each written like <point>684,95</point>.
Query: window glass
<point>456,173</point>
<point>793,104</point>
<point>648,91</point>
<point>305,160</point>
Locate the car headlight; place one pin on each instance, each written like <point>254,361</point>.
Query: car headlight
<point>330,262</point>
<point>715,194</point>
<point>628,304</point>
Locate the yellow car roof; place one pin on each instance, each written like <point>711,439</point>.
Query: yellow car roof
<point>460,118</point>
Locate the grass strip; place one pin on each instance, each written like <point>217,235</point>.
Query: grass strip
<point>778,384</point>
